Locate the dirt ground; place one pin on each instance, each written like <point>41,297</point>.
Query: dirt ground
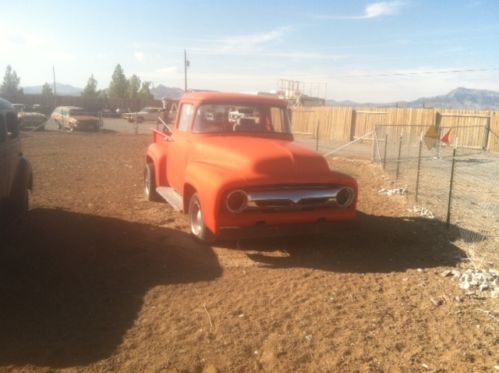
<point>98,279</point>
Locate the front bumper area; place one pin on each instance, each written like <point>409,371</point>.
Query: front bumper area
<point>263,230</point>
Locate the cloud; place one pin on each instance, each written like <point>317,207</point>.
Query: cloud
<point>139,56</point>
<point>13,38</point>
<point>373,10</point>
<point>254,40</point>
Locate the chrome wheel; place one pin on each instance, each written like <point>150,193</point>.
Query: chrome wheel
<point>196,221</point>
<point>147,182</point>
<point>196,218</point>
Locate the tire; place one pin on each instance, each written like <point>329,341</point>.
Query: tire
<point>18,203</point>
<point>150,183</point>
<point>196,221</point>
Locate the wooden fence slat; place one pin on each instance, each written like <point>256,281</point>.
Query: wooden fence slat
<point>337,124</point>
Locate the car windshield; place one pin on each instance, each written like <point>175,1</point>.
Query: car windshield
<point>253,118</point>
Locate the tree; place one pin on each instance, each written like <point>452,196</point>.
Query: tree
<point>47,90</point>
<point>119,85</point>
<point>133,87</point>
<point>90,89</point>
<point>145,91</point>
<point>10,85</point>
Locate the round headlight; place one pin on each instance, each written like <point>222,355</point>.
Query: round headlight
<point>344,197</point>
<point>236,201</point>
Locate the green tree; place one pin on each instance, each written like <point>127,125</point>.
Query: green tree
<point>145,91</point>
<point>10,85</point>
<point>47,90</point>
<point>119,84</point>
<point>133,86</point>
<point>90,89</point>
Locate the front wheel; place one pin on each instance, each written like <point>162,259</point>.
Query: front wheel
<point>150,183</point>
<point>196,221</point>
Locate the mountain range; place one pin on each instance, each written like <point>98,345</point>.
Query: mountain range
<point>158,91</point>
<point>459,98</point>
<point>61,89</point>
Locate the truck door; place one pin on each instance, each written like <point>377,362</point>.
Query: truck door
<point>178,148</point>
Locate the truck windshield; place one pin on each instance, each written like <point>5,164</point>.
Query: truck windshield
<point>241,118</point>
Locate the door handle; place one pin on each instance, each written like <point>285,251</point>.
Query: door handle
<point>169,139</point>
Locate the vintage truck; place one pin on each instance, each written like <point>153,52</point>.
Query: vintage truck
<point>230,163</point>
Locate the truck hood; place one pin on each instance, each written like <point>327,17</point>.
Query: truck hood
<point>251,155</point>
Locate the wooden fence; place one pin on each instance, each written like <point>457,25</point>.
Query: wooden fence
<point>471,128</point>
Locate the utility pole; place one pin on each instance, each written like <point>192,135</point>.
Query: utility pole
<point>53,73</point>
<point>186,65</point>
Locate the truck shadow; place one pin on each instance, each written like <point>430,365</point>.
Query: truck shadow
<point>71,285</point>
<point>368,244</point>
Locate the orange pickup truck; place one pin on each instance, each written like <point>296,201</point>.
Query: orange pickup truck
<point>230,163</point>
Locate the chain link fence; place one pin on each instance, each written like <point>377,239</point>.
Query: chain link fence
<point>444,181</point>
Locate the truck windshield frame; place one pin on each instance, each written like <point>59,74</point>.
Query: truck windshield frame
<point>256,118</point>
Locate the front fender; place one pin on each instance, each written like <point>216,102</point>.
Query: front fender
<point>158,155</point>
<point>210,182</point>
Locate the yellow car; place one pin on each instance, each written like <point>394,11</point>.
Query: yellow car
<point>75,118</point>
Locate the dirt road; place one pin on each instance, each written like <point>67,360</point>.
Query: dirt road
<point>96,278</point>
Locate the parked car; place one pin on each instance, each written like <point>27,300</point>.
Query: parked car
<point>242,172</point>
<point>146,114</point>
<point>75,118</point>
<point>32,121</point>
<point>16,178</point>
<point>18,108</point>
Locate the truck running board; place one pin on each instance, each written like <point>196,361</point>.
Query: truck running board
<point>172,197</point>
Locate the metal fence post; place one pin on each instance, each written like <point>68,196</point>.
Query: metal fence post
<point>384,151</point>
<point>451,186</point>
<point>419,169</point>
<point>136,124</point>
<point>398,158</point>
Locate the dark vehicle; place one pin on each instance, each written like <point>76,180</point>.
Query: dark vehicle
<point>16,178</point>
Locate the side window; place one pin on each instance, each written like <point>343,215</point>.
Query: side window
<point>184,120</point>
<point>277,119</point>
<point>12,125</point>
<point>3,132</point>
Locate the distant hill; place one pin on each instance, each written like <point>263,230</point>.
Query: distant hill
<point>161,91</point>
<point>459,98</point>
<point>62,89</point>
<point>462,98</point>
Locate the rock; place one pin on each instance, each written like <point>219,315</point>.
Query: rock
<point>465,285</point>
<point>484,287</point>
<point>446,273</point>
<point>437,301</point>
<point>419,270</point>
<point>456,273</point>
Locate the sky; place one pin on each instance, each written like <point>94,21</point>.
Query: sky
<point>366,51</point>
